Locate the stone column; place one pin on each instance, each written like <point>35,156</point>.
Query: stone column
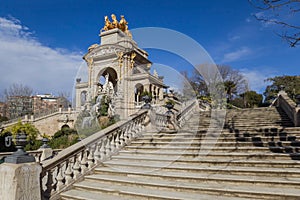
<point>161,94</point>
<point>20,181</point>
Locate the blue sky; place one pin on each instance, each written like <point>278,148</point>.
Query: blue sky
<point>42,42</point>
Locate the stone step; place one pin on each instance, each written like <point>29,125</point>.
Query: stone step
<point>144,166</point>
<point>228,137</point>
<point>133,191</point>
<point>145,183</point>
<point>211,162</point>
<point>210,142</point>
<point>203,177</point>
<point>74,194</point>
<point>215,155</point>
<point>171,148</point>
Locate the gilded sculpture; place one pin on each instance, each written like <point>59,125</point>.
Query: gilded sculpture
<point>122,25</point>
<point>132,56</point>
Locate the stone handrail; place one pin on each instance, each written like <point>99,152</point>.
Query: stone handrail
<point>289,107</point>
<point>186,113</point>
<point>35,116</point>
<point>37,154</point>
<point>159,119</point>
<point>203,105</point>
<point>71,164</point>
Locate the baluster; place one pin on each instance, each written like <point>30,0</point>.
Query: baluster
<point>90,158</point>
<point>48,183</point>
<point>126,136</point>
<point>69,172</point>
<point>122,138</point>
<point>139,127</point>
<point>107,148</point>
<point>102,150</point>
<point>76,167</point>
<point>83,162</point>
<point>97,155</point>
<point>134,130</point>
<point>59,178</point>
<point>118,147</point>
<point>130,132</point>
<point>112,144</point>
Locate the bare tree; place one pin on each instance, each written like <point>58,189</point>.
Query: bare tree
<point>234,77</point>
<point>17,90</point>
<point>63,99</point>
<point>233,81</point>
<point>276,12</point>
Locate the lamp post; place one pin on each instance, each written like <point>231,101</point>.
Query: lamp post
<point>45,143</point>
<point>20,156</point>
<point>147,99</point>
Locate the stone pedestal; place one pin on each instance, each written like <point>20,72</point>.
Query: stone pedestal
<point>46,153</point>
<point>20,181</point>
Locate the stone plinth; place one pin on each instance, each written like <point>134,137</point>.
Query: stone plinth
<point>20,181</point>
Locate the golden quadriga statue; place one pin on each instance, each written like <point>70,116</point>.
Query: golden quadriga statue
<point>122,25</point>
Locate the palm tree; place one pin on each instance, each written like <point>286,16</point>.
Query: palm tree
<point>230,88</point>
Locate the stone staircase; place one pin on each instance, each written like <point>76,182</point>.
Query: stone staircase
<point>256,156</point>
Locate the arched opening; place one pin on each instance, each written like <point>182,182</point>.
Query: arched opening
<point>138,90</point>
<point>65,127</point>
<point>112,77</point>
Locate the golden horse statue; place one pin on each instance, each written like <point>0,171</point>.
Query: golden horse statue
<point>122,25</point>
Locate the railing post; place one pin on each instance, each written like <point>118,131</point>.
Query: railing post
<point>20,175</point>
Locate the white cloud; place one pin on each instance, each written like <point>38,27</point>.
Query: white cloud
<point>234,38</point>
<point>256,78</point>
<point>23,59</point>
<point>237,54</point>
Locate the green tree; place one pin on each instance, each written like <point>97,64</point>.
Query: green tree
<point>230,88</point>
<point>31,131</point>
<point>290,84</point>
<point>251,99</point>
<point>234,81</point>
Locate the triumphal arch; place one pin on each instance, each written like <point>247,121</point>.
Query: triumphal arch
<point>119,68</point>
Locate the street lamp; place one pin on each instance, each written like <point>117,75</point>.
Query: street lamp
<point>20,156</point>
<point>147,99</point>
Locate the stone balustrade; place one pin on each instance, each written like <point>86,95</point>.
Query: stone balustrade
<point>160,121</point>
<point>289,107</point>
<point>186,112</point>
<point>36,154</point>
<point>71,164</point>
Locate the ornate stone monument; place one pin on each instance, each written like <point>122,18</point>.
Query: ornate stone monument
<point>126,69</point>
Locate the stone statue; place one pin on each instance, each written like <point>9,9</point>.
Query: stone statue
<point>115,22</point>
<point>155,74</point>
<point>108,25</point>
<point>132,56</point>
<point>108,87</point>
<point>123,24</point>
